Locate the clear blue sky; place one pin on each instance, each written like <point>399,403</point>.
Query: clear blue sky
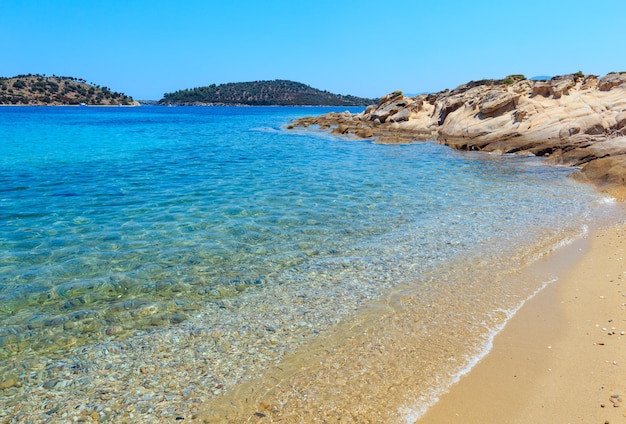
<point>367,48</point>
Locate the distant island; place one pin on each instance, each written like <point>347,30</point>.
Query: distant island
<point>261,93</point>
<point>41,90</point>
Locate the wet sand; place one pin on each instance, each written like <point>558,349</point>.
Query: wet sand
<point>562,357</point>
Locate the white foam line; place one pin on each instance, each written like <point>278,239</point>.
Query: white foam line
<point>562,243</point>
<point>411,415</point>
<point>607,200</point>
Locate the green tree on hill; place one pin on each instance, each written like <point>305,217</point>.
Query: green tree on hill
<point>259,93</point>
<point>41,90</point>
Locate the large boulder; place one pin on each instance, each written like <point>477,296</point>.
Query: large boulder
<point>608,170</point>
<point>401,116</point>
<point>389,105</point>
<point>611,80</point>
<point>562,86</point>
<point>496,101</point>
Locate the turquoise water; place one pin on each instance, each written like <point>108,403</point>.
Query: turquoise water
<point>118,219</point>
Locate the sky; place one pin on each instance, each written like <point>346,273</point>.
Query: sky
<point>145,48</point>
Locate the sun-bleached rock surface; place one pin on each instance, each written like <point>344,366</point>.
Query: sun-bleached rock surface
<point>573,120</point>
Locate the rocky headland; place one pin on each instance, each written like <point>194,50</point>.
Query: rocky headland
<point>573,120</point>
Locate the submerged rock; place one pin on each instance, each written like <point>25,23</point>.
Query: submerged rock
<point>8,382</point>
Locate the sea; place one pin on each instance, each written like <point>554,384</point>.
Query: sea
<point>118,223</point>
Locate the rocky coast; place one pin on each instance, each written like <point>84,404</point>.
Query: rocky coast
<point>296,358</point>
<point>571,334</point>
<point>573,120</point>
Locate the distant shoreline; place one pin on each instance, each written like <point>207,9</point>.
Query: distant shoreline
<point>41,90</point>
<point>76,106</point>
<point>183,106</point>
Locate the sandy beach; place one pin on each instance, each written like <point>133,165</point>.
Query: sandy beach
<point>367,314</point>
<point>561,358</point>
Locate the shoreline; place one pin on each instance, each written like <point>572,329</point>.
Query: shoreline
<point>561,357</point>
<point>143,362</point>
<point>361,373</point>
<point>68,105</point>
<point>188,381</point>
<point>572,120</point>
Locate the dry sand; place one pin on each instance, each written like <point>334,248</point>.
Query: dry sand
<point>562,357</point>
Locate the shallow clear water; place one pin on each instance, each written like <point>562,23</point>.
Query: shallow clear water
<point>132,218</point>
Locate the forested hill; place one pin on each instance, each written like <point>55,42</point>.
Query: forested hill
<point>40,90</point>
<point>261,93</point>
